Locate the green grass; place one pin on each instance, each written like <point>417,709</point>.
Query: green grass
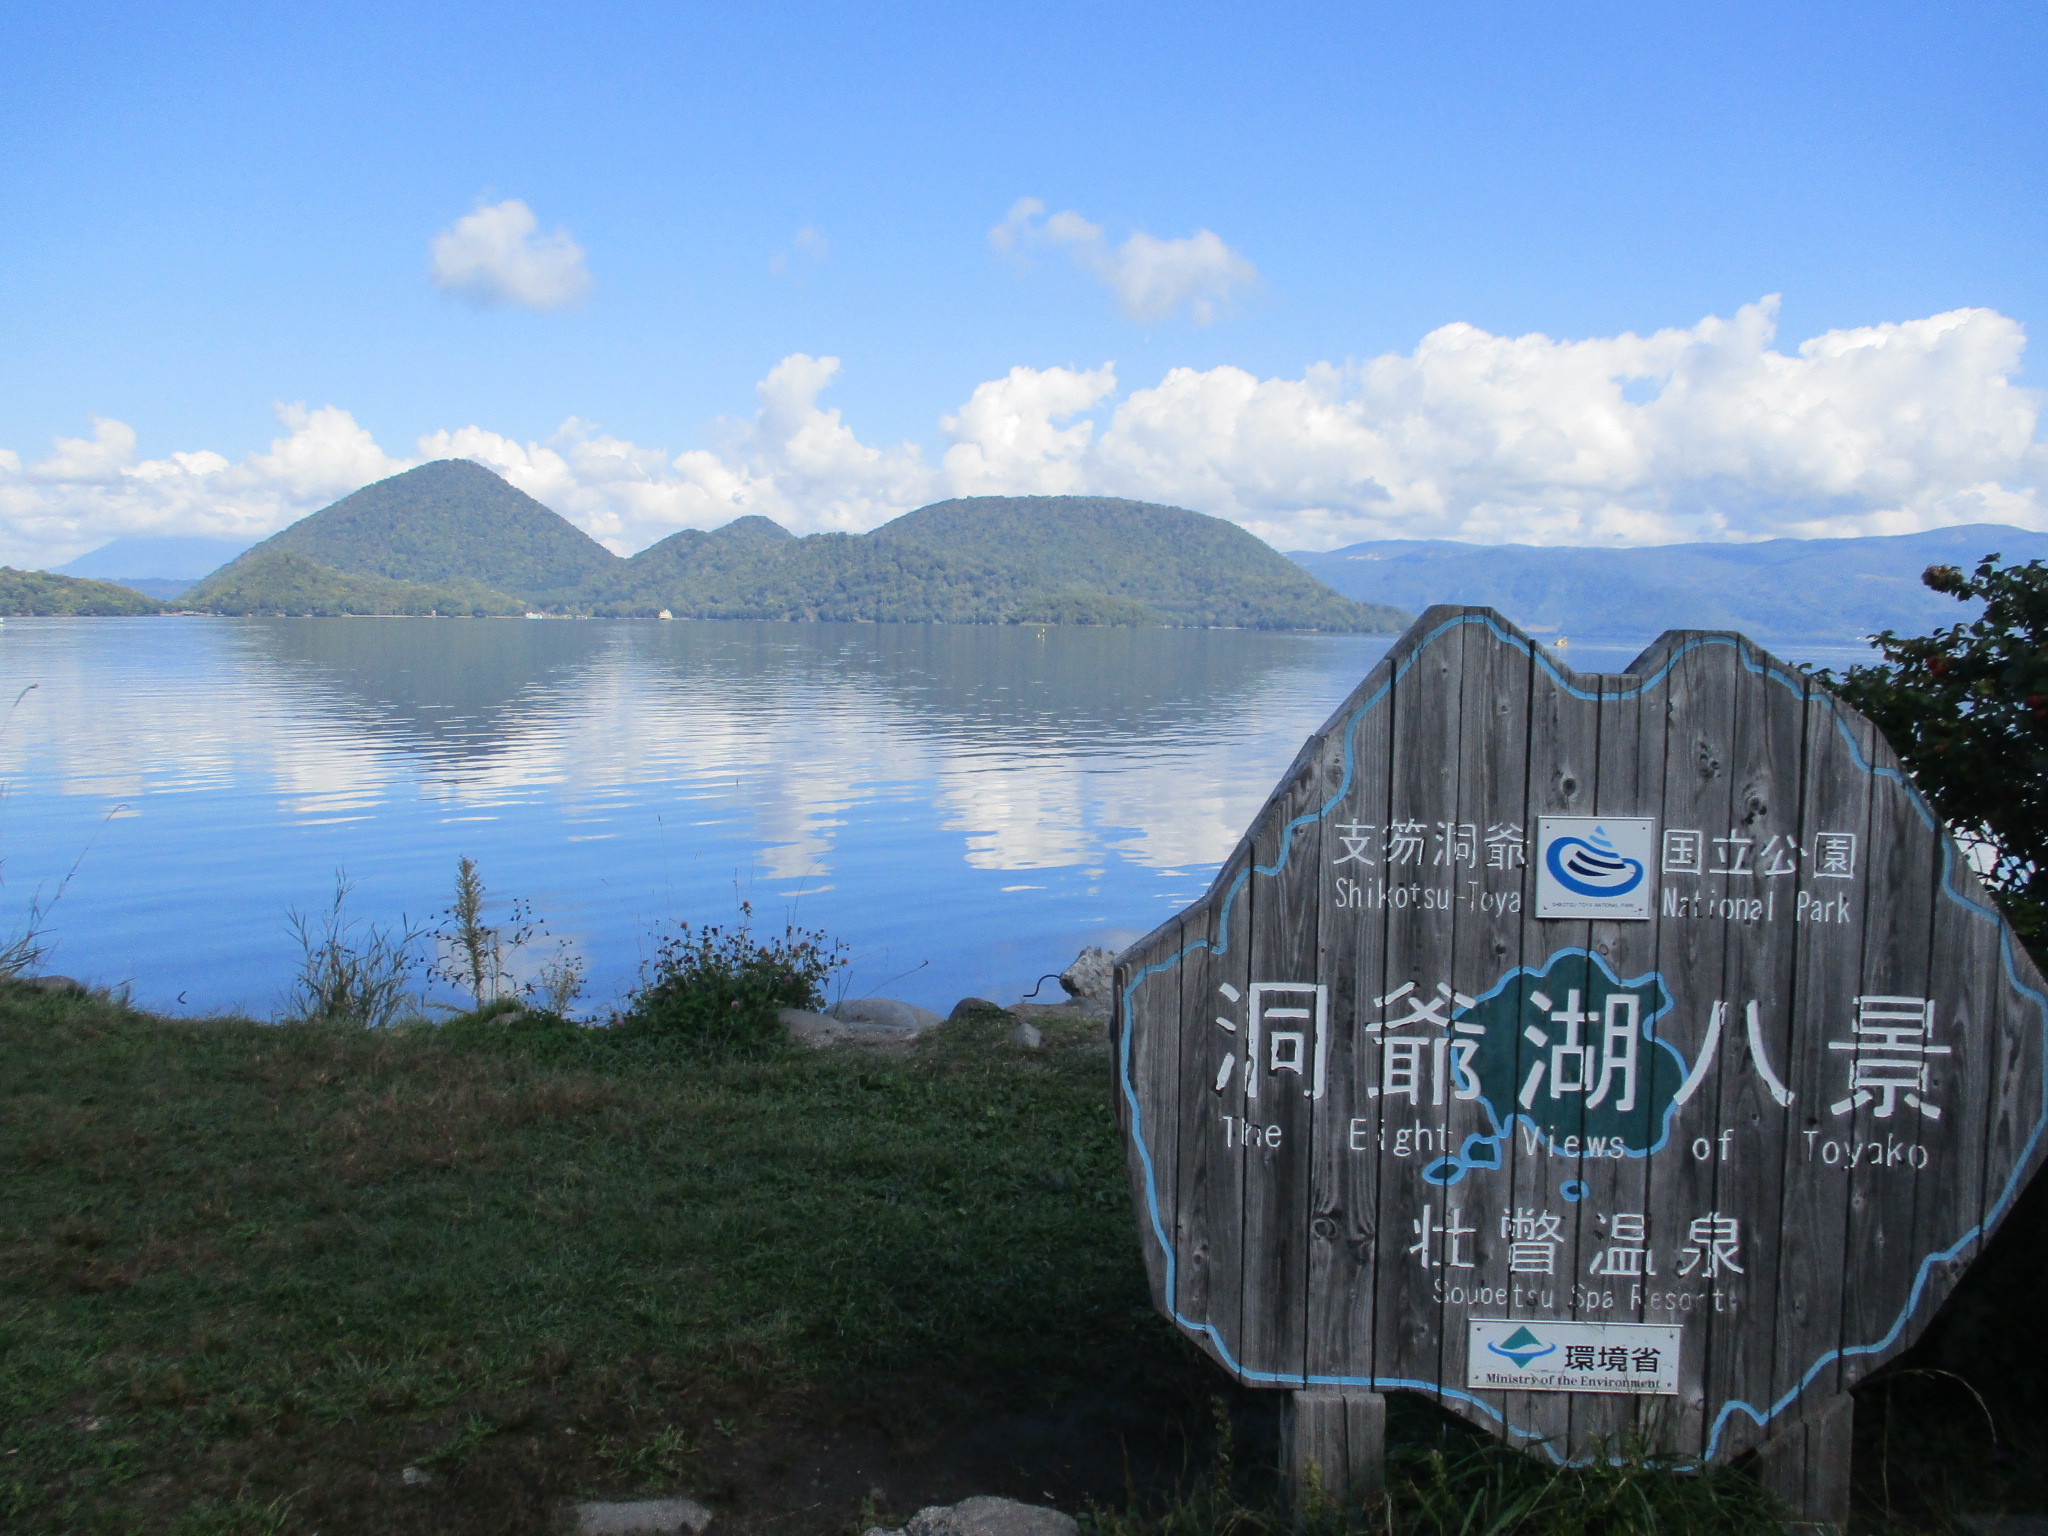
<point>1446,1481</point>
<point>250,1272</point>
<point>248,1262</point>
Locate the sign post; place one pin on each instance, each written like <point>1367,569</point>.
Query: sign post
<point>1624,1058</point>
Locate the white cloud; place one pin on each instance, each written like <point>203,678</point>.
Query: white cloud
<point>1703,432</point>
<point>491,257</point>
<point>1151,278</point>
<point>1004,436</point>
<point>91,490</point>
<point>1707,432</point>
<point>793,461</point>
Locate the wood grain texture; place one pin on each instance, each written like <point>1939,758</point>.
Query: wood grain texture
<point>1357,1122</point>
<point>1333,1447</point>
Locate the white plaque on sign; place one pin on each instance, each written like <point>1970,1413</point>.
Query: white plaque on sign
<point>1595,866</point>
<point>1513,1355</point>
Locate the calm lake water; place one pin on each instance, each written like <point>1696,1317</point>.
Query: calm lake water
<point>964,807</point>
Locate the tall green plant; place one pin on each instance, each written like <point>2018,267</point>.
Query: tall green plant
<point>476,956</point>
<point>472,950</point>
<point>1966,708</point>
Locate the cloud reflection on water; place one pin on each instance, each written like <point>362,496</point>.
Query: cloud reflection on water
<point>894,774</point>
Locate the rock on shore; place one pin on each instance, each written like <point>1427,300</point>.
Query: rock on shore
<point>985,1515</point>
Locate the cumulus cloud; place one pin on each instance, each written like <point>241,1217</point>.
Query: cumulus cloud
<point>1151,278</point>
<point>1005,435</point>
<point>90,490</point>
<point>1705,432</point>
<point>492,257</point>
<point>793,460</point>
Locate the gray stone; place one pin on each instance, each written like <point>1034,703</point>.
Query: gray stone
<point>985,1515</point>
<point>1027,1036</point>
<point>812,1029</point>
<point>415,1477</point>
<point>57,984</point>
<point>819,1030</point>
<point>886,1011</point>
<point>1091,977</point>
<point>661,1517</point>
<point>969,1007</point>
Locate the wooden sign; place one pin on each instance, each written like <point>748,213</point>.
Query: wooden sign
<point>1606,1056</point>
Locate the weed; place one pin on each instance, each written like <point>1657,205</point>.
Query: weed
<point>558,983</point>
<point>1483,1489</point>
<point>25,951</point>
<point>348,977</point>
<point>1476,1488</point>
<point>721,989</point>
<point>472,951</point>
<point>475,956</point>
<point>474,1430</point>
<point>657,1461</point>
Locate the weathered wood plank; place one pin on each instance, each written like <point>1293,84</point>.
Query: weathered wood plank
<point>1814,1212</point>
<point>1879,1032</point>
<point>1286,1048</point>
<point>1755,1104</point>
<point>1344,1187</point>
<point>1420,1242</point>
<point>1147,1046</point>
<point>1493,797</point>
<point>1527,1231</point>
<point>1184,971</point>
<point>1806,1463</point>
<point>2015,1060</point>
<point>1630,773</point>
<point>1333,1450</point>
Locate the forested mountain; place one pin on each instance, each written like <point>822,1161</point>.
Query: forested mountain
<point>990,560</point>
<point>283,582</point>
<point>1805,588</point>
<point>23,593</point>
<point>449,522</point>
<point>451,537</point>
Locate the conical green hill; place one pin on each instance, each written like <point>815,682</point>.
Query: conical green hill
<point>451,521</point>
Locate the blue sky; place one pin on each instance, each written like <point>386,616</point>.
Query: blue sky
<point>206,213</point>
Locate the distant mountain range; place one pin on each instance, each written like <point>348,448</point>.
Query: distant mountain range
<point>158,567</point>
<point>1782,588</point>
<point>452,537</point>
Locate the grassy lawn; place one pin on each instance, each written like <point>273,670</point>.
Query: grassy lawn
<point>247,1263</point>
<point>250,1273</point>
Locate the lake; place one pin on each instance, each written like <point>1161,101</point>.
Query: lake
<point>964,807</point>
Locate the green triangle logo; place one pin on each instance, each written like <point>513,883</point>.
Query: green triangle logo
<point>1521,1347</point>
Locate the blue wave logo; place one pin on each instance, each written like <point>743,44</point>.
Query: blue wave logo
<point>1593,867</point>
